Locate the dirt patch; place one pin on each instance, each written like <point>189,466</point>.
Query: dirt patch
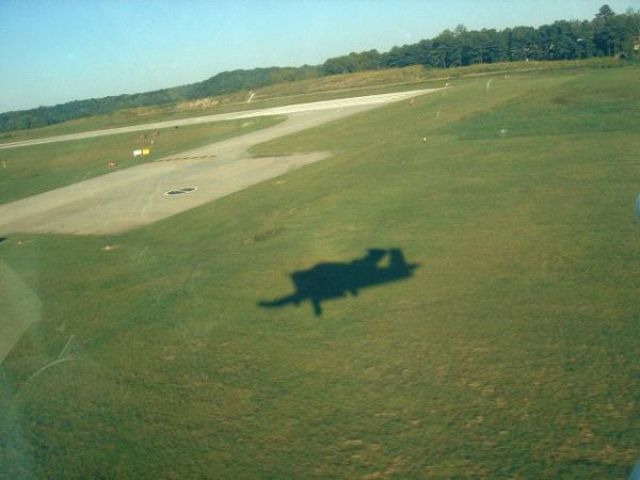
<point>264,235</point>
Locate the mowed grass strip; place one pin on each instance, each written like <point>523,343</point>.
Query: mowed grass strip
<point>510,354</point>
<point>26,171</point>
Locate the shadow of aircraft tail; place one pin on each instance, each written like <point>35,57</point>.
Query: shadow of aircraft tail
<point>327,281</point>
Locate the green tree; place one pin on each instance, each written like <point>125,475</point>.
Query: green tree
<point>604,31</point>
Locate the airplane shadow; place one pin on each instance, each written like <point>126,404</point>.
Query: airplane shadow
<point>327,281</point>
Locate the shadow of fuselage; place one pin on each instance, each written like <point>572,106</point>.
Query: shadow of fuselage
<point>326,281</point>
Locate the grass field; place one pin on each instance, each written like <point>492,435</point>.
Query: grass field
<point>26,171</point>
<point>511,353</point>
<point>317,89</point>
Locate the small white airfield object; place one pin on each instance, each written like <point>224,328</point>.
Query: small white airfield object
<point>141,152</point>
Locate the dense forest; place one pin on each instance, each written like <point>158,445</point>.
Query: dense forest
<point>608,34</point>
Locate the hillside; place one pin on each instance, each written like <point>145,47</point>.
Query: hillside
<point>607,35</point>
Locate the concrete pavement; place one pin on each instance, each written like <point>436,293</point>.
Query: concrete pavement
<point>122,200</point>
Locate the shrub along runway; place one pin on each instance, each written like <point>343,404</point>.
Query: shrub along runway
<point>122,200</point>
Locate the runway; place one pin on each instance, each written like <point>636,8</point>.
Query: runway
<point>125,199</point>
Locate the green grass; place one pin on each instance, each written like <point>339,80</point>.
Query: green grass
<point>39,168</point>
<point>577,108</point>
<point>512,353</point>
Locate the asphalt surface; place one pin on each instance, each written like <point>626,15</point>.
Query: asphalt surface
<point>285,110</point>
<point>125,199</point>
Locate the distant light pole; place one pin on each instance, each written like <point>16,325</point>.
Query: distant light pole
<point>580,42</point>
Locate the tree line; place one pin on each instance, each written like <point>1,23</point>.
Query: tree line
<point>608,34</point>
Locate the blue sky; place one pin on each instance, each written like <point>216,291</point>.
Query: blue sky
<point>61,50</point>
